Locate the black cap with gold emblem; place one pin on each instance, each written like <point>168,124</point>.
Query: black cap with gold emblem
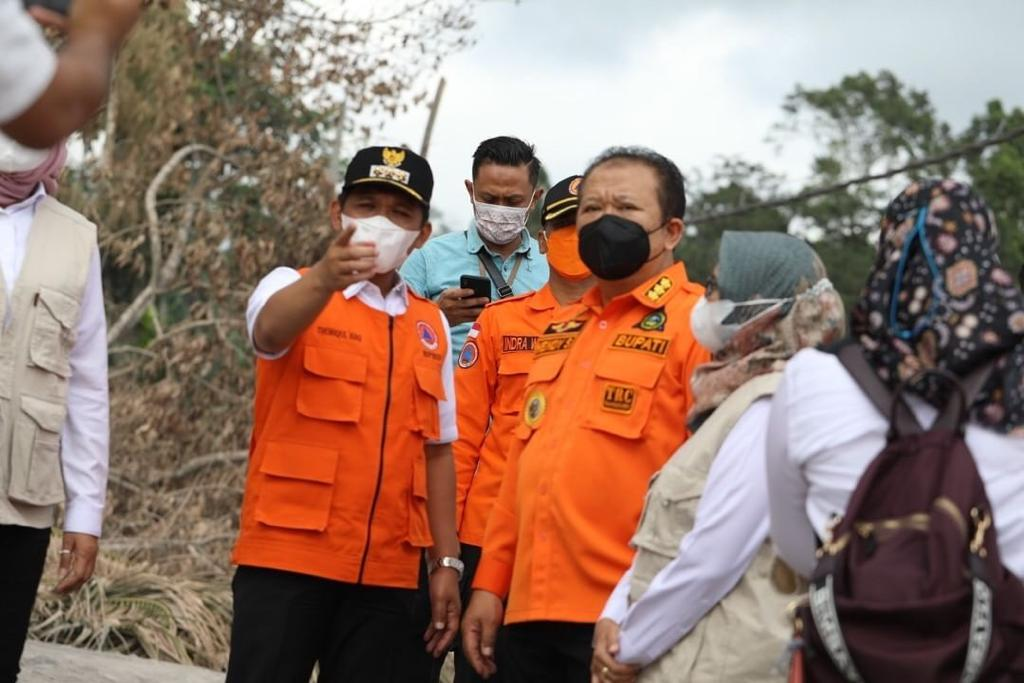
<point>394,166</point>
<point>562,198</point>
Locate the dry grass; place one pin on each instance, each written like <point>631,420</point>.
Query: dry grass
<point>131,609</point>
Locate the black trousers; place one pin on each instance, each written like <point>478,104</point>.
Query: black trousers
<point>285,623</point>
<point>547,652</point>
<point>24,556</point>
<point>464,673</point>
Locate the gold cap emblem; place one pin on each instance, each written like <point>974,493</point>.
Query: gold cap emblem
<point>393,157</point>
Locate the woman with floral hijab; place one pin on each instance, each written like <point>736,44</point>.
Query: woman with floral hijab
<point>937,297</point>
<point>697,604</point>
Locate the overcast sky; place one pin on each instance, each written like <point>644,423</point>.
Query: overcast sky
<point>696,79</point>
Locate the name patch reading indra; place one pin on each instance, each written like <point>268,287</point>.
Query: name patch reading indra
<point>511,343</point>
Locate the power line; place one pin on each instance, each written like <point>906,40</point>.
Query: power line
<point>838,187</point>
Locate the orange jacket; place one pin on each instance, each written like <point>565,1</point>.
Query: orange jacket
<point>489,383</point>
<point>606,403</point>
<point>337,482</point>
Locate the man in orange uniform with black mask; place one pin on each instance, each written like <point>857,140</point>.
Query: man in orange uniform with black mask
<point>605,405</point>
<point>491,375</point>
<point>350,473</point>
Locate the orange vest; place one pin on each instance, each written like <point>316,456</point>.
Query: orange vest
<point>489,382</point>
<point>337,482</point>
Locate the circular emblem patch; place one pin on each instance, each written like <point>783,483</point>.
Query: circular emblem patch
<point>533,411</point>
<point>654,321</point>
<point>574,186</point>
<point>470,354</point>
<point>427,335</point>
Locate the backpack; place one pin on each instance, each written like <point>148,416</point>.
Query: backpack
<point>909,587</point>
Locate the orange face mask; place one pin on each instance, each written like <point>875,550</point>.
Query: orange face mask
<point>564,255</point>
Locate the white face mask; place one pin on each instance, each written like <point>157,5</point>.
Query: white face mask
<point>500,224</point>
<point>707,316</point>
<point>392,241</point>
<point>16,158</point>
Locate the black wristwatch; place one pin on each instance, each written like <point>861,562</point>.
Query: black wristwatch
<point>450,562</point>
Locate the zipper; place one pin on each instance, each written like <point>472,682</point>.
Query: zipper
<point>383,442</point>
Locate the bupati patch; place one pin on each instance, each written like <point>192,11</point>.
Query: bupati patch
<point>653,322</point>
<point>512,343</point>
<point>427,335</point>
<point>565,327</point>
<point>554,343</point>
<point>469,355</point>
<point>656,346</point>
<point>619,398</point>
<point>534,408</point>
<point>659,289</point>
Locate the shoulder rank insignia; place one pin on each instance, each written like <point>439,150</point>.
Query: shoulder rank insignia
<point>653,321</point>
<point>659,289</point>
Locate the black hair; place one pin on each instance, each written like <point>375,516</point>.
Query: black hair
<point>671,186</point>
<point>380,187</point>
<point>507,151</point>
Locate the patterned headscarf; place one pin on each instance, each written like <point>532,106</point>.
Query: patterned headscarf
<point>16,186</point>
<point>764,344</point>
<point>972,313</point>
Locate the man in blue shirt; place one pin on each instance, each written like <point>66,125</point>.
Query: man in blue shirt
<point>503,192</point>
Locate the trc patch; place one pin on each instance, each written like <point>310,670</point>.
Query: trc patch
<point>469,356</point>
<point>655,346</point>
<point>554,343</point>
<point>427,335</point>
<point>659,289</point>
<point>653,321</point>
<point>619,399</point>
<point>512,343</point>
<point>565,327</point>
<point>534,408</point>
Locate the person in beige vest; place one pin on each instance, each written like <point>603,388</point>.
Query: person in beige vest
<point>53,389</point>
<point>698,603</point>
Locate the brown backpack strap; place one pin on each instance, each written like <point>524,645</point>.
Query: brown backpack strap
<point>902,420</point>
<point>958,408</point>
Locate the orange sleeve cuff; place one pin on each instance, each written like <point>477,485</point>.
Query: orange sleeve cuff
<point>493,576</point>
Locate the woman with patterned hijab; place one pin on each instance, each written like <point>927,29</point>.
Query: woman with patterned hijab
<point>697,604</point>
<point>937,297</point>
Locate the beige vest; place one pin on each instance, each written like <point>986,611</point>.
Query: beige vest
<point>38,330</point>
<point>739,639</point>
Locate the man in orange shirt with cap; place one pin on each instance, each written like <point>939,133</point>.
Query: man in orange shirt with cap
<point>491,376</point>
<point>604,408</point>
<point>350,473</point>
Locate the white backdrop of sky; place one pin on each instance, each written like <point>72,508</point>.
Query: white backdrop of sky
<point>694,79</point>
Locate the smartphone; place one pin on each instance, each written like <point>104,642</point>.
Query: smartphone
<point>481,286</point>
<point>58,6</point>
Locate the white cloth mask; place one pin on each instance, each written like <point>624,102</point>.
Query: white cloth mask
<point>707,316</point>
<point>392,241</point>
<point>500,224</point>
<point>16,158</point>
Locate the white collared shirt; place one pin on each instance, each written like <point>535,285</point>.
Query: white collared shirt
<point>85,438</point>
<point>395,303</point>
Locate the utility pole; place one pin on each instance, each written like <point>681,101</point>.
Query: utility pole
<point>429,132</point>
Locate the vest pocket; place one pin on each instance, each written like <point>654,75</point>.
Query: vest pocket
<point>623,392</point>
<point>36,476</point>
<point>419,519</point>
<point>429,390</point>
<point>298,485</point>
<point>53,331</point>
<point>331,388</point>
<point>668,513</point>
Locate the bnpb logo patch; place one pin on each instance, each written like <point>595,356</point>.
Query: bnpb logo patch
<point>427,335</point>
<point>469,356</point>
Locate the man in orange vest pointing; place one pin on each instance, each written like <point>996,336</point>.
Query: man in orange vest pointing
<point>350,473</point>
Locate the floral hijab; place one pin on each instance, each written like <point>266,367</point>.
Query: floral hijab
<point>938,297</point>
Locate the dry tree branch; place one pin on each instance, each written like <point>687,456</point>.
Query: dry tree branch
<point>196,464</point>
<point>158,276</point>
